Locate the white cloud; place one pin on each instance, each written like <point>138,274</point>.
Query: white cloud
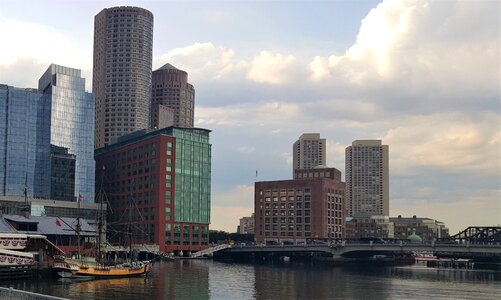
<point>27,40</point>
<point>203,61</point>
<point>439,49</point>
<point>451,141</point>
<point>272,68</point>
<point>263,114</point>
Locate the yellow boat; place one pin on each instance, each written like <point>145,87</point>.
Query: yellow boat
<point>74,268</point>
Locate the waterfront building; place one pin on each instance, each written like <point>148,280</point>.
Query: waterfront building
<point>170,88</point>
<point>367,178</point>
<point>38,128</point>
<point>121,81</point>
<point>246,225</point>
<point>158,182</point>
<point>426,228</point>
<point>308,152</point>
<point>300,209</point>
<point>59,231</point>
<point>88,211</point>
<point>369,226</point>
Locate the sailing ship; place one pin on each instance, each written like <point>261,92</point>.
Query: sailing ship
<point>93,266</point>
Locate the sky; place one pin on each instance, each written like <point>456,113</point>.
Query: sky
<point>422,75</point>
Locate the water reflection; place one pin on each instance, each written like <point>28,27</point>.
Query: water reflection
<point>205,279</point>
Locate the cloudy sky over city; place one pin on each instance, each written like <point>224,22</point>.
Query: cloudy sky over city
<point>423,76</point>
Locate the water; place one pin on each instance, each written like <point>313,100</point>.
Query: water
<point>206,279</point>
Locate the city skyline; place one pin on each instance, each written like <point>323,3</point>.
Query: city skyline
<point>421,76</point>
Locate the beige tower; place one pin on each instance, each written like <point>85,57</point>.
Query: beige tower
<point>367,178</point>
<point>172,90</point>
<point>123,47</point>
<point>308,152</point>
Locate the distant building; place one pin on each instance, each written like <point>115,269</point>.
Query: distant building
<point>170,88</point>
<point>308,152</point>
<point>301,209</point>
<point>367,225</point>
<point>318,172</point>
<point>367,178</point>
<point>426,228</point>
<point>158,181</point>
<point>36,125</point>
<point>246,225</point>
<point>123,49</point>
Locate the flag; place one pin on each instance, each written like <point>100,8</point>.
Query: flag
<point>80,197</point>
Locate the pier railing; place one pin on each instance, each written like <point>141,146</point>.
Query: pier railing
<point>13,294</point>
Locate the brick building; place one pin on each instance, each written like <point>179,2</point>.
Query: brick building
<point>158,182</point>
<point>300,209</point>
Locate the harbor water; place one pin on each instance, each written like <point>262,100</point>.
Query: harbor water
<point>207,279</point>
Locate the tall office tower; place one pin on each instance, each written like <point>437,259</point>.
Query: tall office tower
<point>123,43</point>
<point>308,152</point>
<point>367,178</point>
<point>46,138</point>
<point>171,89</point>
<point>71,127</point>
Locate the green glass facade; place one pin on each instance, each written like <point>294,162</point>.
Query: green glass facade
<point>192,175</point>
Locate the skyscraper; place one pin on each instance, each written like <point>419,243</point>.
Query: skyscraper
<point>123,43</point>
<point>46,137</point>
<point>308,152</point>
<point>171,89</point>
<point>71,126</point>
<point>367,178</point>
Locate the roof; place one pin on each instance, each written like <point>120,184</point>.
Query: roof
<point>51,225</point>
<point>168,66</point>
<point>19,219</point>
<point>5,227</point>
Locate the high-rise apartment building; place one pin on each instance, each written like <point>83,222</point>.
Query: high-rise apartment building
<point>308,152</point>
<point>246,225</point>
<point>123,43</point>
<point>46,137</point>
<point>171,89</point>
<point>164,176</point>
<point>367,178</point>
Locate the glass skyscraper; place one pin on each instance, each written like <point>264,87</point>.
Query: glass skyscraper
<point>60,113</point>
<point>24,142</point>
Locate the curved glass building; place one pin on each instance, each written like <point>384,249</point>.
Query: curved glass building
<point>123,47</point>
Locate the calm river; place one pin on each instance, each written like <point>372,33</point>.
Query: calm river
<point>206,279</point>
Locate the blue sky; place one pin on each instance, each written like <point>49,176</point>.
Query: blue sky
<point>423,76</point>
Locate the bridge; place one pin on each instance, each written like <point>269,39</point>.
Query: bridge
<point>358,250</point>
